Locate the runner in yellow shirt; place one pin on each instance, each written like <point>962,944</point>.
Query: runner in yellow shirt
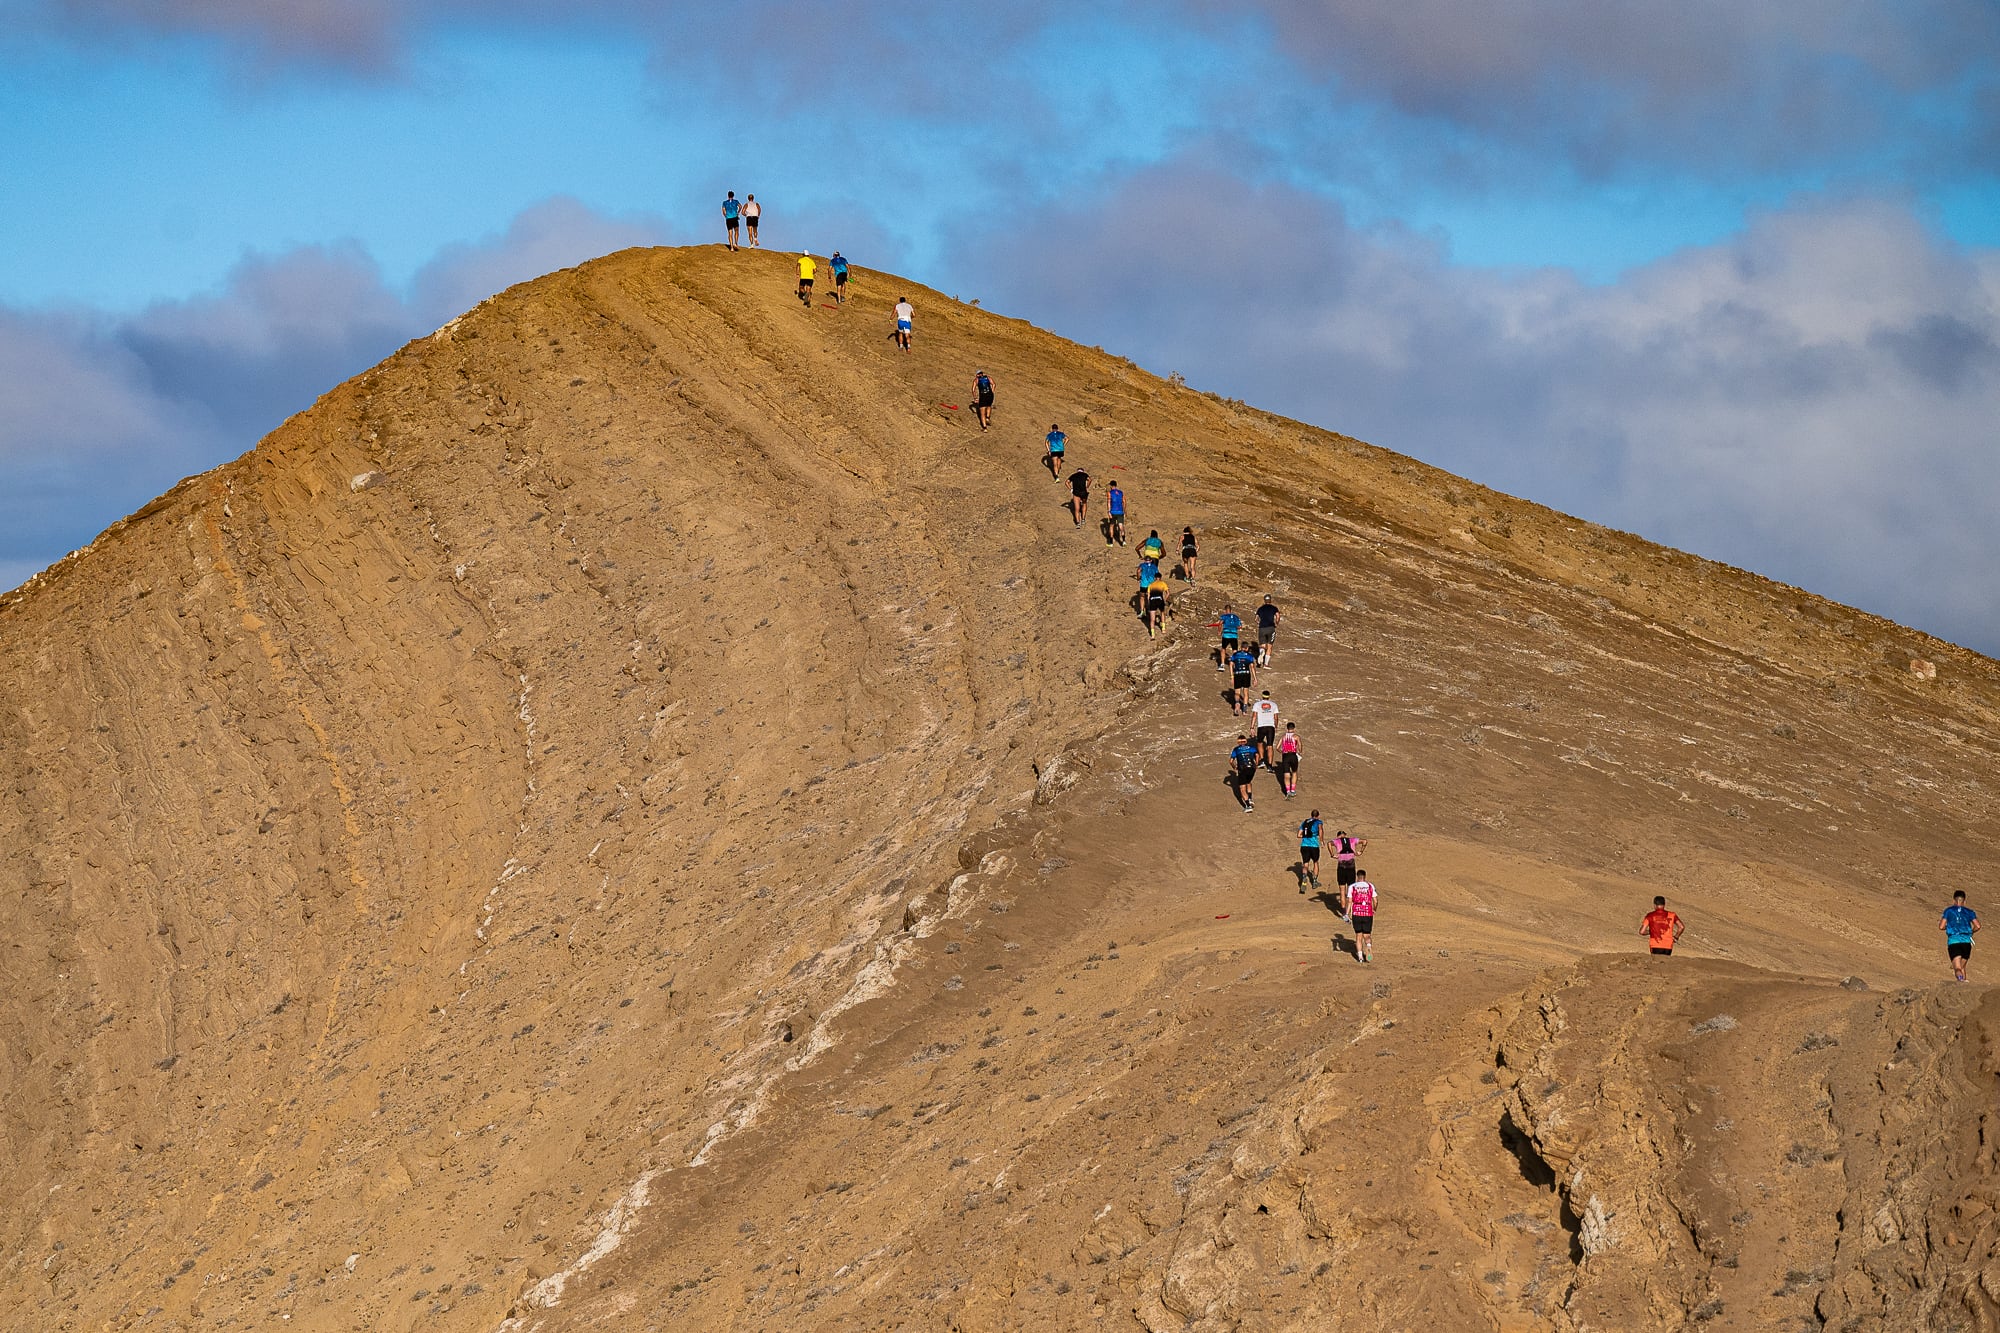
<point>806,270</point>
<point>1156,606</point>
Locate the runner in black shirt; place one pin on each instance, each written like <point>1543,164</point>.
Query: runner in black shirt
<point>1267,630</point>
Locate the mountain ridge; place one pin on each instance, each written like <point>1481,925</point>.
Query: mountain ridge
<point>501,869</point>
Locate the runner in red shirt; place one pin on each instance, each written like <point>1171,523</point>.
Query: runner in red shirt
<point>1661,928</point>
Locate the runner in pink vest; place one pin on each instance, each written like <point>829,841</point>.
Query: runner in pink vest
<point>1288,759</point>
<point>1344,849</point>
<point>1361,911</point>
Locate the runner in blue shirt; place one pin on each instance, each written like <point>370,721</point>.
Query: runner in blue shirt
<point>1243,771</point>
<point>1232,628</point>
<point>839,263</point>
<point>731,210</point>
<point>1116,499</point>
<point>1242,676</point>
<point>1309,832</point>
<point>1959,924</point>
<point>1056,442</point>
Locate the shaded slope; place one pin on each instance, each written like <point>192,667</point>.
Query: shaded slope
<point>411,884</point>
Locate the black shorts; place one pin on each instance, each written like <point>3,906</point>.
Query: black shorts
<point>1958,950</point>
<point>1228,647</point>
<point>732,223</point>
<point>1344,873</point>
<point>1666,952</point>
<point>840,279</point>
<point>1188,553</point>
<point>1241,680</point>
<point>1155,602</point>
<point>805,282</point>
<point>1363,925</point>
<point>985,400</point>
<point>752,221</point>
<point>1288,761</point>
<point>1310,855</point>
<point>1266,735</point>
<point>1246,776</point>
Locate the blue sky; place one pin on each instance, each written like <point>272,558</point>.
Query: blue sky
<point>1724,275</point>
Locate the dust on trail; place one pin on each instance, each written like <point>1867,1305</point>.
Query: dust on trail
<point>699,840</point>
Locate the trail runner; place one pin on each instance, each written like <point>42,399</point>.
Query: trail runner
<point>1959,924</point>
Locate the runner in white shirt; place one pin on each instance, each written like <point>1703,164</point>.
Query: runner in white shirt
<point>752,210</point>
<point>1265,711</point>
<point>905,312</point>
<point>1361,899</point>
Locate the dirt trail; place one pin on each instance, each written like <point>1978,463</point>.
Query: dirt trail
<point>635,813</point>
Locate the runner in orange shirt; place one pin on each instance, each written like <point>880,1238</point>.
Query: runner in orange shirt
<point>1661,928</point>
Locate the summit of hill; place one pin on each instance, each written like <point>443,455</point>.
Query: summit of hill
<point>636,813</point>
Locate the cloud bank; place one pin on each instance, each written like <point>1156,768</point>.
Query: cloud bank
<point>1736,83</point>
<point>1708,85</point>
<point>1807,399</point>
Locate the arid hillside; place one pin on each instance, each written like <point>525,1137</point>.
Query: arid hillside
<point>637,814</point>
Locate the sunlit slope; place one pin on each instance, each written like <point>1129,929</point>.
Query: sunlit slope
<point>492,841</point>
